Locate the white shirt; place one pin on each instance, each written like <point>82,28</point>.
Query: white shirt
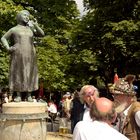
<point>137,115</point>
<point>95,130</point>
<point>34,100</point>
<point>52,108</point>
<point>137,118</point>
<point>126,110</point>
<point>6,100</point>
<point>86,116</point>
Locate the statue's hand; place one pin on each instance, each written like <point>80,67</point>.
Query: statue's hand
<point>32,23</point>
<point>35,22</point>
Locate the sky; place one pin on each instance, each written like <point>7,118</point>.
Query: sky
<point>80,6</point>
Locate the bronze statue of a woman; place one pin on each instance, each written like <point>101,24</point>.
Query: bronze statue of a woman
<point>23,75</point>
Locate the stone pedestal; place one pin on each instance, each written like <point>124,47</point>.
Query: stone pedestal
<point>23,121</point>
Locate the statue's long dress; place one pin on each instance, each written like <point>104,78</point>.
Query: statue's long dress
<point>23,65</point>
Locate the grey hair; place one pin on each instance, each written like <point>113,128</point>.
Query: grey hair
<point>82,92</point>
<point>96,114</point>
<point>19,14</point>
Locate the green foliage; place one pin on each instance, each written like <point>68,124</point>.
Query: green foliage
<point>111,30</point>
<point>8,12</point>
<point>4,68</point>
<point>52,61</point>
<point>76,52</point>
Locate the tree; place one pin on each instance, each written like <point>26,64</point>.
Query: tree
<point>110,30</point>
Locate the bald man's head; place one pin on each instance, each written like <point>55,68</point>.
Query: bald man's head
<point>102,110</point>
<point>103,105</point>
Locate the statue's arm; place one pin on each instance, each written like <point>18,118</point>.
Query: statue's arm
<point>35,28</point>
<point>38,30</point>
<point>5,39</point>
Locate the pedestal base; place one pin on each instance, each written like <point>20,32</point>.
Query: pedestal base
<point>23,108</point>
<point>23,121</point>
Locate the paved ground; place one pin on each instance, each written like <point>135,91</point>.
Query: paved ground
<point>53,126</point>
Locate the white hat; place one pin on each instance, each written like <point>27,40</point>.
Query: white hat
<point>67,94</point>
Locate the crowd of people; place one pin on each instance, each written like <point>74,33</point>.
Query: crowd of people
<point>112,120</point>
<point>95,118</point>
<point>102,114</point>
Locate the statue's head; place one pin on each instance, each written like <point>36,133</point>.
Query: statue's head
<point>23,16</point>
